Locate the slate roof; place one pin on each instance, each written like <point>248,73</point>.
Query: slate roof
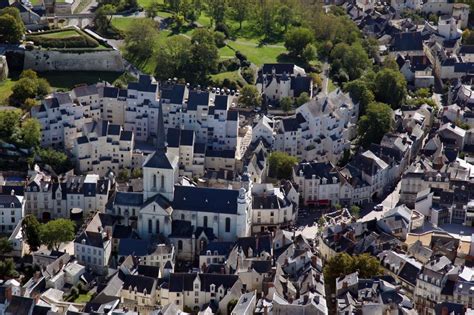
<point>290,124</point>
<point>7,200</point>
<point>318,169</point>
<point>126,135</point>
<point>264,243</point>
<point>85,90</point>
<point>407,41</point>
<point>180,282</point>
<point>205,199</point>
<point>227,281</point>
<point>128,198</point>
<point>197,98</point>
<point>140,282</point>
<point>110,92</point>
<point>158,159</point>
<point>144,84</point>
<point>409,273</point>
<point>226,154</point>
<point>280,68</point>
<point>122,231</point>
<point>174,93</point>
<point>20,305</point>
<point>91,239</point>
<point>300,85</point>
<point>148,271</point>
<point>222,248</point>
<point>232,115</point>
<point>221,102</point>
<point>181,229</point>
<point>133,247</point>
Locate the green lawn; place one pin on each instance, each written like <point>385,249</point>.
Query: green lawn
<point>258,54</point>
<point>123,23</point>
<point>60,34</point>
<point>146,3</point>
<point>231,75</point>
<point>83,298</point>
<point>226,53</point>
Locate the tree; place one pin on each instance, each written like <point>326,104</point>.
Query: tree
<point>43,88</point>
<point>343,264</point>
<point>239,11</point>
<point>9,124</point>
<point>103,17</point>
<point>286,104</point>
<point>173,58</point>
<point>468,37</point>
<point>302,99</point>
<point>152,9</point>
<point>297,39</point>
<point>353,59</point>
<point>57,160</point>
<point>30,133</point>
<point>390,63</point>
<point>355,211</point>
<point>56,232</point>
<point>23,89</point>
<point>231,305</point>
<point>281,165</point>
<point>361,93</point>
<point>309,53</point>
<point>216,10</point>
<point>285,16</point>
<point>390,87</point>
<point>249,96</point>
<point>204,55</point>
<point>5,246</point>
<point>11,26</point>
<point>376,122</point>
<point>8,269</point>
<point>30,228</point>
<point>140,39</point>
<point>265,16</point>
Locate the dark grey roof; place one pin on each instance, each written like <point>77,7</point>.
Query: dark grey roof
<point>221,102</point>
<point>91,239</point>
<point>279,68</point>
<point>111,92</point>
<point>141,283</point>
<point>20,305</point>
<point>222,248</point>
<point>409,273</point>
<point>232,115</point>
<point>133,247</point>
<point>180,282</point>
<point>158,160</point>
<point>114,130</point>
<point>85,90</point>
<point>227,281</point>
<point>148,271</point>
<point>318,169</point>
<point>197,98</point>
<point>6,201</point>
<point>122,231</point>
<point>262,266</point>
<point>205,199</point>
<point>407,41</point>
<point>199,148</point>
<point>187,137</point>
<point>263,244</point>
<point>181,229</point>
<point>82,140</point>
<point>301,85</point>
<point>126,136</point>
<point>172,137</point>
<point>290,124</point>
<point>144,84</point>
<point>174,93</point>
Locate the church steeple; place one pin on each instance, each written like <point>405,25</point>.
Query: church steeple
<point>160,133</point>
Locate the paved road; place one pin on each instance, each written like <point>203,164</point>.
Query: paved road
<point>325,77</point>
<point>388,203</point>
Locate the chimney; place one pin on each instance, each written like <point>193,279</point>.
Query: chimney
<point>12,192</point>
<point>265,310</point>
<point>8,293</point>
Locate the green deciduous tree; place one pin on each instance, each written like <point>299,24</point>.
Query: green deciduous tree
<point>173,58</point>
<point>285,16</point>
<point>5,246</point>
<point>31,232</point>
<point>343,264</point>
<point>11,26</point>
<point>56,232</point>
<point>361,93</point>
<point>281,165</point>
<point>29,86</point>
<point>297,39</point>
<point>140,39</point>
<point>302,99</point>
<point>353,59</point>
<point>286,103</point>
<point>376,122</point>
<point>57,160</point>
<point>9,124</point>
<point>103,17</point>
<point>30,132</point>
<point>249,96</point>
<point>8,269</point>
<point>239,10</point>
<point>152,9</point>
<point>216,10</point>
<point>390,87</point>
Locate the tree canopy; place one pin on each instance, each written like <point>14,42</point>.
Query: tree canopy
<point>31,232</point>
<point>281,165</point>
<point>11,26</point>
<point>343,264</point>
<point>29,86</point>
<point>376,122</point>
<point>297,39</point>
<point>56,232</point>
<point>140,39</point>
<point>249,96</point>
<point>56,159</point>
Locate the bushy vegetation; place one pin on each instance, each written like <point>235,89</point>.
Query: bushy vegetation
<point>55,39</point>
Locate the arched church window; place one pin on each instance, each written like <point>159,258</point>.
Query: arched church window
<point>227,225</point>
<point>154,181</point>
<point>162,181</point>
<point>205,221</point>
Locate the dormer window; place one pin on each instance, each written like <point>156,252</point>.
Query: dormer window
<point>213,287</point>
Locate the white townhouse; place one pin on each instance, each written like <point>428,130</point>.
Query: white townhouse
<point>12,211</point>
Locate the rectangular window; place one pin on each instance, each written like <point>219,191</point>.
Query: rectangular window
<point>150,227</point>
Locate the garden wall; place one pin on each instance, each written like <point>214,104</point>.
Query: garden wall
<point>81,60</point>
